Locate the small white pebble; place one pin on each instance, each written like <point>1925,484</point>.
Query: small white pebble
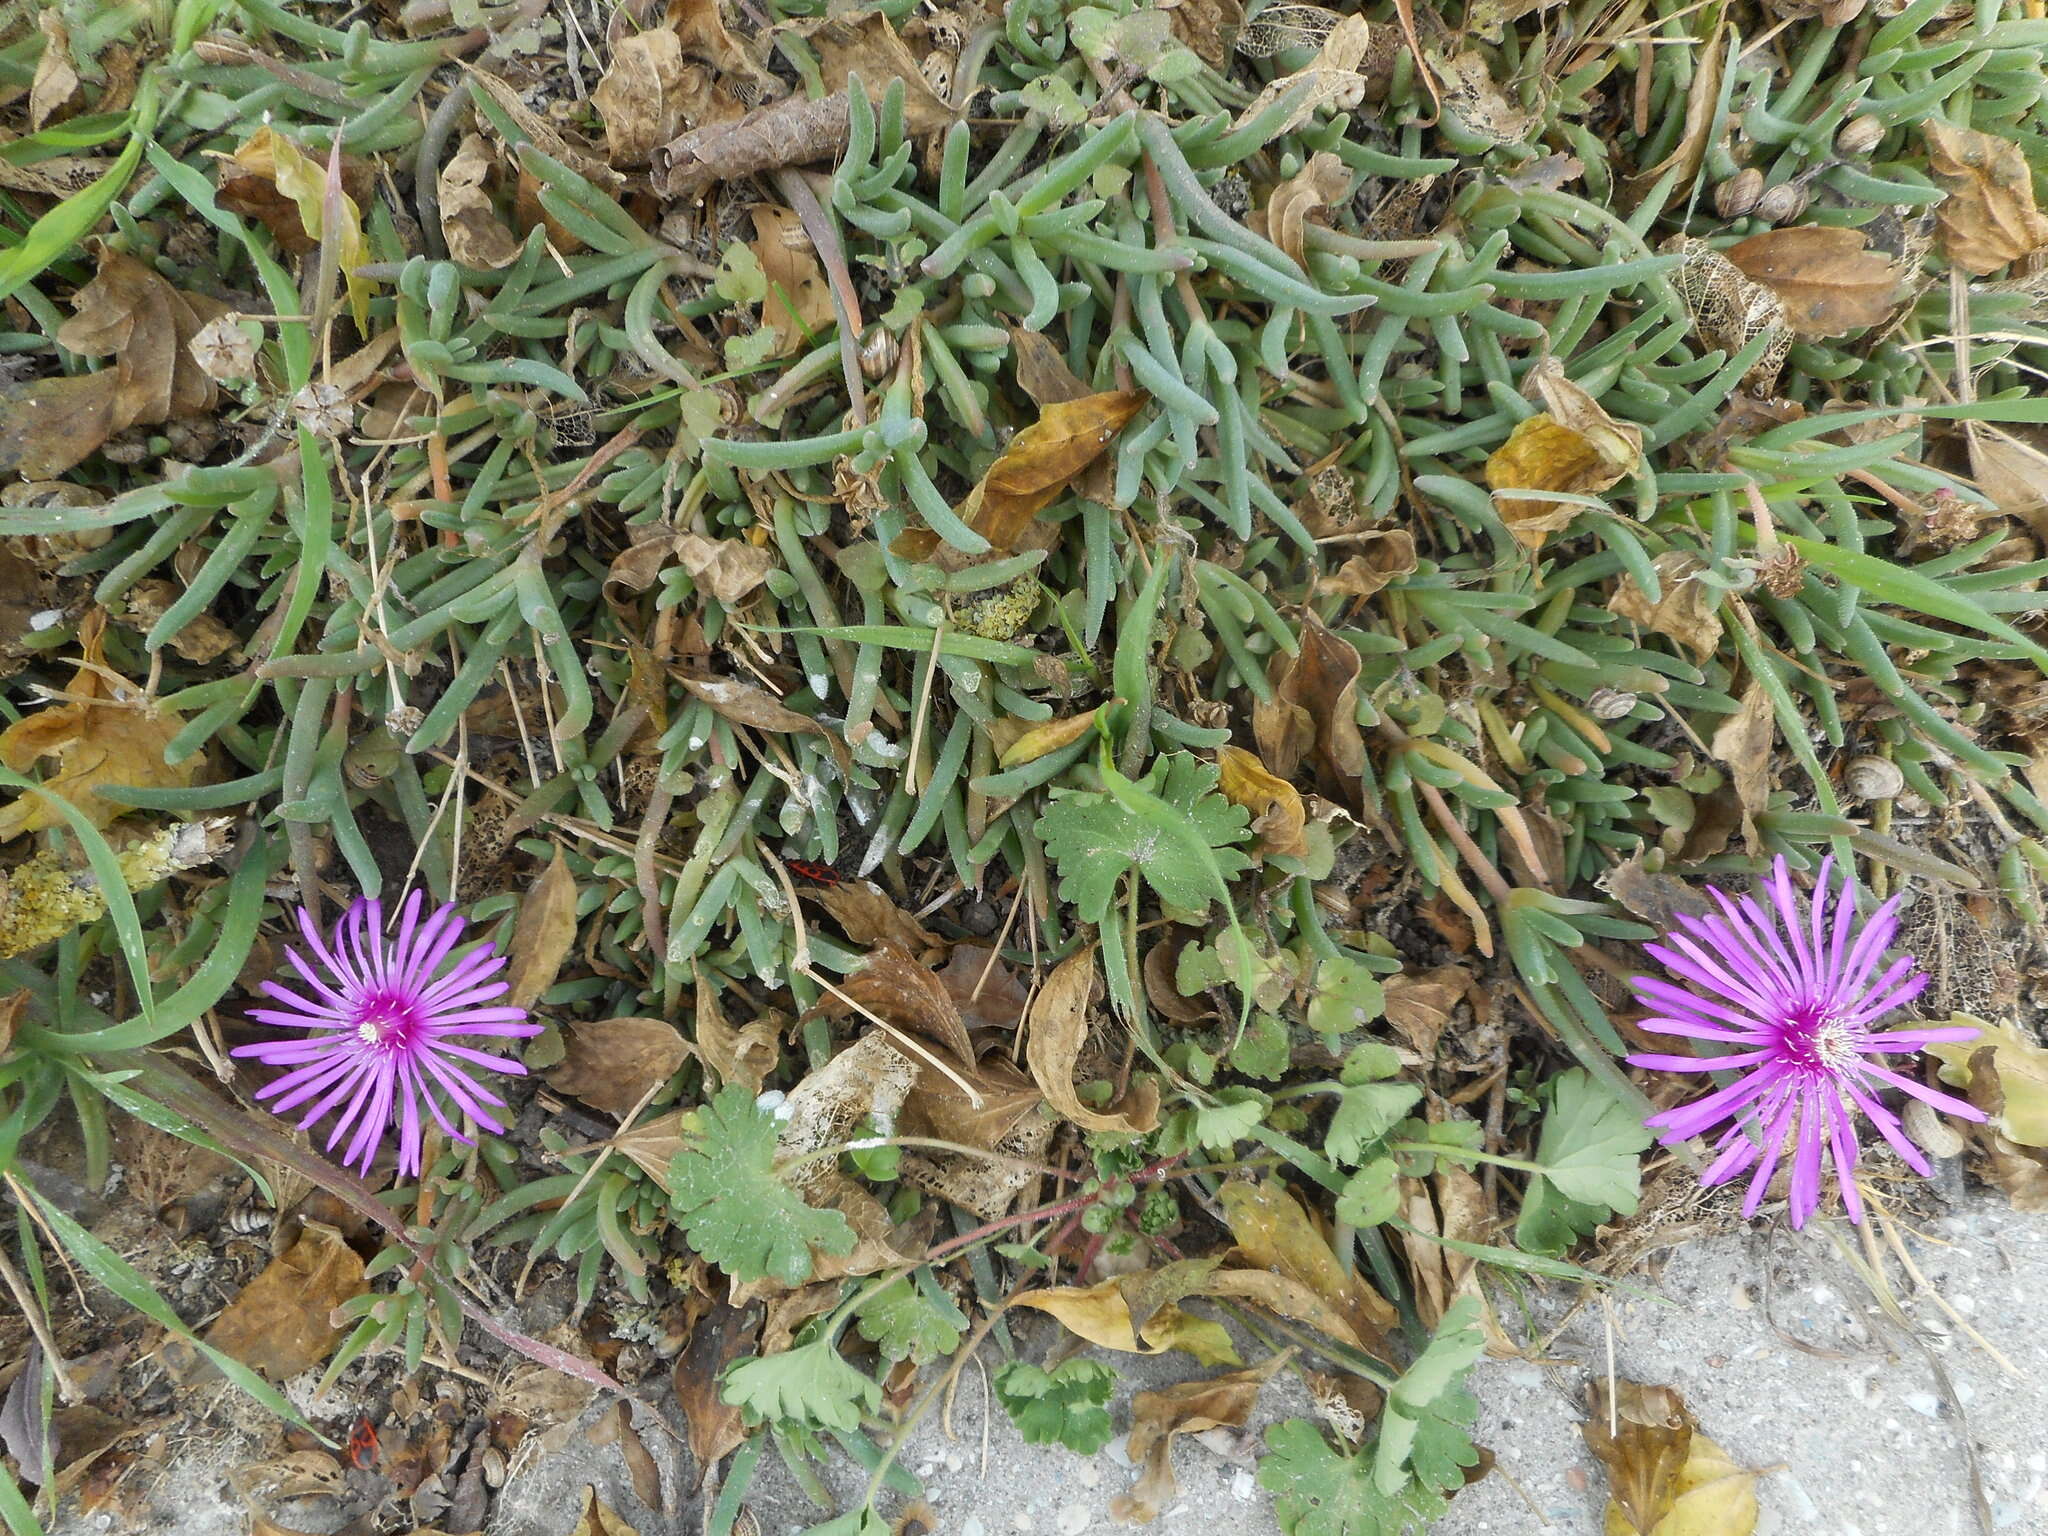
<point>49,618</point>
<point>1073,1519</point>
<point>1242,1485</point>
<point>1923,1403</point>
<point>1089,1474</point>
<point>972,1526</point>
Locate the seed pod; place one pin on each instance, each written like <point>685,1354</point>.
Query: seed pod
<point>1609,703</point>
<point>1782,203</point>
<point>1937,1138</point>
<point>1873,778</point>
<point>1738,194</point>
<point>1859,136</point>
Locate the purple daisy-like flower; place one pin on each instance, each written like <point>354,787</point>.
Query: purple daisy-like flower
<point>1795,989</point>
<point>382,1030</point>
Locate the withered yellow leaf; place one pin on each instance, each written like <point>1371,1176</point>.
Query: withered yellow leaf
<point>1042,460</point>
<point>1047,736</point>
<point>798,305</point>
<point>275,158</point>
<point>1573,446</point>
<point>1101,1314</point>
<point>1057,1031</point>
<point>2019,1067</point>
<point>541,939</point>
<point>103,732</point>
<point>1278,816</point>
<point>1275,1233</point>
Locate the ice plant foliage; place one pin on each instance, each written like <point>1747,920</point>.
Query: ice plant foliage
<point>1791,991</point>
<point>383,1015</point>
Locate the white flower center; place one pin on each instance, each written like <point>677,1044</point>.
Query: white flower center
<point>1834,1043</point>
<point>376,1028</point>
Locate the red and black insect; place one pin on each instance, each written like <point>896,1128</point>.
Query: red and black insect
<point>362,1443</point>
<point>810,869</point>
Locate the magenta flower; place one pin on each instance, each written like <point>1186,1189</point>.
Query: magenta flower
<point>1795,989</point>
<point>383,1030</point>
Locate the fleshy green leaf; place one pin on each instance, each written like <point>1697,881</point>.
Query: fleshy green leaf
<point>810,1385</point>
<point>1068,1405</point>
<point>732,1206</point>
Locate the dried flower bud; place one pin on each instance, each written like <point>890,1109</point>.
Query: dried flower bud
<point>1782,571</point>
<point>223,350</point>
<point>1782,203</point>
<point>324,409</point>
<point>1937,1138</point>
<point>1609,703</point>
<point>1873,778</point>
<point>1738,194</point>
<point>1859,136</point>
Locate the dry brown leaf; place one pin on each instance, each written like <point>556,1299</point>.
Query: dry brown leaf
<point>615,1427</point>
<point>1041,461</point>
<point>1988,218</point>
<point>1057,1031</point>
<point>1276,1234</point>
<point>1386,555</point>
<point>1332,78</point>
<point>1278,816</point>
<point>1314,709</point>
<point>476,236</point>
<point>1005,1121</point>
<point>541,939</point>
<point>1652,895</point>
<point>1475,99</point>
<point>1419,1004</point>
<point>1642,1435</point>
<point>1702,111</point>
<point>600,1519</point>
<point>1295,201</point>
<point>865,44</point>
<point>1037,739</point>
<point>56,80</point>
<point>1688,610</point>
<point>2013,473</point>
<point>1743,742</point>
<point>722,1335</point>
<point>892,986</point>
<point>1827,281</point>
<point>745,704</point>
<point>798,305</point>
<point>1573,446</point>
<point>1042,373</point>
<point>2021,1177</point>
<point>871,920</point>
<point>49,425</point>
<point>653,1144</point>
<point>1186,1408</point>
<point>640,97</point>
<point>278,1326</point>
<point>728,569</point>
<point>611,1063</point>
<point>745,1056</point>
<point>103,731</point>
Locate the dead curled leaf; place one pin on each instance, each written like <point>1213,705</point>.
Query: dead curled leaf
<point>1314,709</point>
<point>798,305</point>
<point>1278,817</point>
<point>278,1326</point>
<point>1041,461</point>
<point>1666,1478</point>
<point>541,939</point>
<point>1420,1004</point>
<point>1300,198</point>
<point>728,569</point>
<point>1744,742</point>
<point>1687,610</point>
<point>745,1055</point>
<point>1385,556</point>
<point>1186,1408</point>
<point>610,1064</point>
<point>129,313</point>
<point>640,98</point>
<point>1035,740</point>
<point>600,1519</point>
<point>104,731</point>
<point>1057,1032</point>
<point>1332,78</point>
<point>722,1335</point>
<point>2006,1072</point>
<point>470,225</point>
<point>2012,472</point>
<point>1988,218</point>
<point>1827,281</point>
<point>1105,1315</point>
<point>1573,446</point>
<point>1275,1233</point>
